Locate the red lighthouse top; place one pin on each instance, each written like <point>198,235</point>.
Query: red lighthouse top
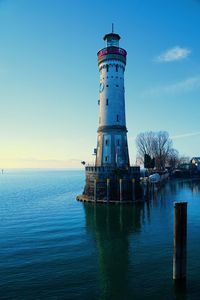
<point>112,48</point>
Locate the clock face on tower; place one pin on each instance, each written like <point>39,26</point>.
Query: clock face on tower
<point>101,87</point>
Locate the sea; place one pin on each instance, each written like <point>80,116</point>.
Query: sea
<point>54,247</point>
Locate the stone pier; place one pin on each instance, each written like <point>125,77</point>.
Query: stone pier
<point>96,185</point>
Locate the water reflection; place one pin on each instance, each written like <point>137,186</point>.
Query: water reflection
<point>177,190</point>
<point>111,227</point>
<point>179,185</point>
<point>133,243</point>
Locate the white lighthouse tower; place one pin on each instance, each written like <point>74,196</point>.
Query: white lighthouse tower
<point>112,179</point>
<point>112,147</point>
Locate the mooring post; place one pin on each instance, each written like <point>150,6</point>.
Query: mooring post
<point>133,189</point>
<point>180,241</point>
<point>120,190</point>
<point>108,189</point>
<point>95,189</point>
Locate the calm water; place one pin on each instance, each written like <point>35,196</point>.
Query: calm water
<point>53,247</point>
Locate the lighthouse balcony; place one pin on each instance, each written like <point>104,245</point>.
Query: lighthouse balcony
<point>111,50</point>
<point>112,53</point>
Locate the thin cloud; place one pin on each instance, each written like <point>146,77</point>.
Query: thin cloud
<point>186,85</point>
<point>173,54</point>
<point>185,135</point>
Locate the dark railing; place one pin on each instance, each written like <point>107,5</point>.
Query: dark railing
<point>102,169</point>
<point>111,50</point>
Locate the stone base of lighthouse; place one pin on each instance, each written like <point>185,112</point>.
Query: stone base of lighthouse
<point>113,185</point>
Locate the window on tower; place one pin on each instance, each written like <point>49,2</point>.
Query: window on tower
<point>107,68</point>
<point>117,118</point>
<point>106,141</point>
<point>98,102</point>
<point>117,68</point>
<point>106,101</point>
<point>117,85</point>
<point>106,158</point>
<point>117,142</point>
<point>107,85</point>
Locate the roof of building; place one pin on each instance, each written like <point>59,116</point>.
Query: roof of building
<point>111,35</point>
<point>196,158</point>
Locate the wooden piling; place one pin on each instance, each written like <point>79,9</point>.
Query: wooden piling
<point>180,241</point>
<point>108,189</point>
<point>120,190</point>
<point>95,190</point>
<point>133,189</point>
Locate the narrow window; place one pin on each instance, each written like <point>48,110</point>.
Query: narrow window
<point>107,85</point>
<point>117,68</point>
<point>117,118</point>
<point>106,101</point>
<point>98,102</point>
<point>106,142</point>
<point>117,85</point>
<point>107,68</point>
<point>117,142</point>
<point>106,158</point>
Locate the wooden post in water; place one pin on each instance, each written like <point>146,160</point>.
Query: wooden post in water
<point>180,241</point>
<point>108,189</point>
<point>120,190</point>
<point>95,190</point>
<point>133,189</point>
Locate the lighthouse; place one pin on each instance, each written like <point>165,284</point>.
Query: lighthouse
<point>111,178</point>
<point>112,146</point>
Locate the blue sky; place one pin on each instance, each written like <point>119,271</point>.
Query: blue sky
<point>49,77</point>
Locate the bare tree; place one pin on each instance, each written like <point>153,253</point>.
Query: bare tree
<point>173,158</point>
<point>163,146</point>
<point>157,145</point>
<point>145,143</point>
